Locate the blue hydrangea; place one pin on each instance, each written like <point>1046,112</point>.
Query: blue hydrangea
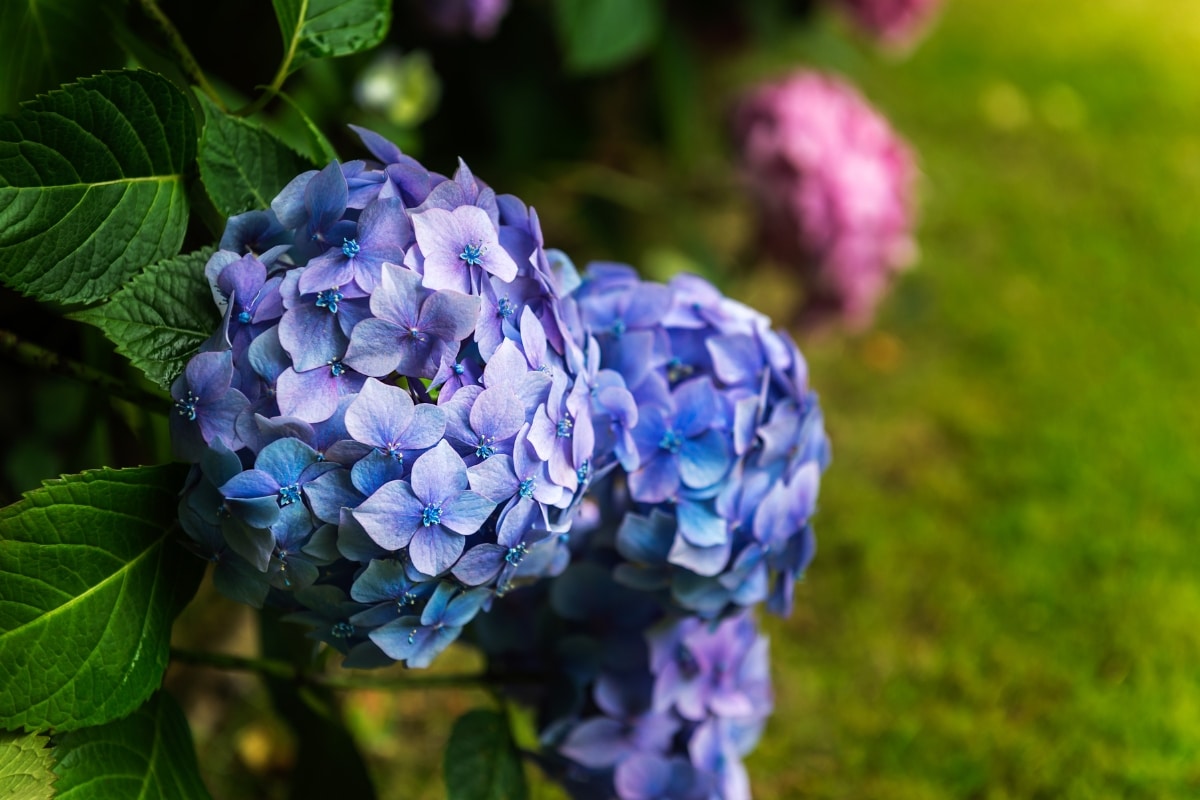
<point>394,345</point>
<point>415,419</point>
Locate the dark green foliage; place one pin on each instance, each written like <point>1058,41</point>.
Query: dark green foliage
<point>481,760</point>
<point>598,34</point>
<point>242,164</point>
<point>160,318</point>
<point>92,185</point>
<point>148,755</point>
<point>315,29</point>
<point>50,42</point>
<point>91,577</point>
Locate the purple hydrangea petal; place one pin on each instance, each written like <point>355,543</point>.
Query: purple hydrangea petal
<point>391,515</point>
<point>434,550</point>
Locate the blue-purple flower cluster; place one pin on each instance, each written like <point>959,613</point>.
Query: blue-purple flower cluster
<point>400,405</point>
<point>414,413</point>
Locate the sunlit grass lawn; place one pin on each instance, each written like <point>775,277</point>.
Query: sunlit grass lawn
<point>1006,597</point>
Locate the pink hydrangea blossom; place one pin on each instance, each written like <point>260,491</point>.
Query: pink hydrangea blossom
<point>891,21</point>
<point>834,186</point>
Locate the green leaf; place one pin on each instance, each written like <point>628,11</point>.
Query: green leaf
<point>599,34</point>
<point>481,761</point>
<point>25,767</point>
<point>242,164</point>
<point>160,318</point>
<point>90,580</point>
<point>315,29</point>
<point>148,755</point>
<point>319,148</point>
<point>48,42</point>
<point>91,184</point>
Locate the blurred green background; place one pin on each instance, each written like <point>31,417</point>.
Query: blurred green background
<point>1005,597</point>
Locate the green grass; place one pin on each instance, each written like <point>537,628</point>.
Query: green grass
<point>1004,602</point>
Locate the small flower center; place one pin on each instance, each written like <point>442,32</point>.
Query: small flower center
<point>431,515</point>
<point>336,368</point>
<point>563,429</point>
<point>342,630</point>
<point>617,328</point>
<point>329,300</point>
<point>526,488</point>
<point>485,448</point>
<point>584,470</point>
<point>414,333</point>
<point>515,554</point>
<point>472,254</point>
<point>406,599</point>
<point>458,369</point>
<point>505,308</point>
<point>187,406</point>
<point>671,440</point>
<point>245,316</point>
<point>350,248</point>
<point>412,635</point>
<point>393,452</point>
<point>677,370</point>
<point>288,494</point>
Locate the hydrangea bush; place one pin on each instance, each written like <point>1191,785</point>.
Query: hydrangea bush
<point>407,404</point>
<point>834,184</point>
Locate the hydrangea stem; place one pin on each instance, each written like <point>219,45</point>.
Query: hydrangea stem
<point>32,355</point>
<point>282,669</point>
<point>186,60</point>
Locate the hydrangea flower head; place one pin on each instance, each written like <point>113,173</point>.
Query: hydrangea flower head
<point>834,186</point>
<point>373,410</point>
<point>893,22</point>
<point>475,18</point>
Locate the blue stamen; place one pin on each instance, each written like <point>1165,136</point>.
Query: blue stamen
<point>406,599</point>
<point>485,449</point>
<point>244,317</point>
<point>187,406</point>
<point>431,515</point>
<point>617,328</point>
<point>515,554</point>
<point>342,630</point>
<point>337,369</point>
<point>412,635</point>
<point>472,254</point>
<point>584,470</point>
<point>393,452</point>
<point>288,494</point>
<point>505,308</point>
<point>458,369</point>
<point>329,299</point>
<point>350,248</point>
<point>671,441</point>
<point>563,429</point>
<point>526,488</point>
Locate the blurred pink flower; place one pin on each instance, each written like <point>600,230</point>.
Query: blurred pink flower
<point>891,21</point>
<point>834,184</point>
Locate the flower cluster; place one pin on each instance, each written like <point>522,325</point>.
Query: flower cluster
<point>397,415</point>
<point>722,466</point>
<point>476,18</point>
<point>834,184</point>
<point>414,413</point>
<point>639,701</point>
<point>893,22</point>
